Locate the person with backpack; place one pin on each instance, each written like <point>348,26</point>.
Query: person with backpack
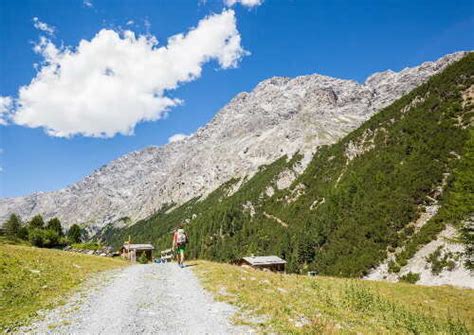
<point>180,239</point>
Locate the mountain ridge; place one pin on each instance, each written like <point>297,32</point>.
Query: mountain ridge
<point>388,193</point>
<point>279,116</point>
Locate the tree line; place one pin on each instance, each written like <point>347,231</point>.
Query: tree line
<point>42,234</point>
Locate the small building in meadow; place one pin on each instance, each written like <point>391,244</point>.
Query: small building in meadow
<point>132,252</point>
<point>272,263</point>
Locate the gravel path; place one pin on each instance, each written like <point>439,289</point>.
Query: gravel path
<point>140,299</point>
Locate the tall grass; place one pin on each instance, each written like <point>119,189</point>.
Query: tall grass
<point>32,279</point>
<point>294,304</point>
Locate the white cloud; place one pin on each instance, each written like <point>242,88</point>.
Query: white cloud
<point>130,22</point>
<point>246,3</point>
<point>6,105</point>
<point>177,137</point>
<point>43,26</point>
<point>109,84</point>
<point>88,3</point>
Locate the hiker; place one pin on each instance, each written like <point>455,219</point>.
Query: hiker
<point>180,239</point>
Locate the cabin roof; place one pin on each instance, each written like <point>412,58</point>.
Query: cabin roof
<point>264,260</point>
<point>138,247</point>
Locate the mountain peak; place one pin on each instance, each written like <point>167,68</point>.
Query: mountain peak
<point>280,116</point>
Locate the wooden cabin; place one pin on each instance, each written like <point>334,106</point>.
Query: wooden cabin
<point>132,252</point>
<point>272,263</point>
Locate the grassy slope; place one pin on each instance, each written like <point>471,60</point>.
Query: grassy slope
<point>295,304</point>
<point>32,279</point>
<point>368,202</point>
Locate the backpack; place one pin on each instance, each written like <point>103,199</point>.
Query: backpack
<point>181,237</point>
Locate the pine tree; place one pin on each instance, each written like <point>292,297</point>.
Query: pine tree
<point>12,225</point>
<point>36,222</point>
<point>74,234</point>
<point>55,225</point>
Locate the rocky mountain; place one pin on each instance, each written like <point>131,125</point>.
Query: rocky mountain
<point>391,200</point>
<point>279,117</point>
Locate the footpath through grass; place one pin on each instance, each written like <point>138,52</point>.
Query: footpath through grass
<point>32,279</point>
<point>294,304</point>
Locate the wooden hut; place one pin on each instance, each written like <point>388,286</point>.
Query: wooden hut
<point>272,263</point>
<point>132,252</point>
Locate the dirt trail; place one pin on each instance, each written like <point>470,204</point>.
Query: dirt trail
<point>140,299</point>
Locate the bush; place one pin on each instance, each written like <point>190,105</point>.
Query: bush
<point>44,238</point>
<point>87,246</point>
<point>23,233</point>
<point>440,261</point>
<point>142,259</point>
<point>393,267</point>
<point>63,241</point>
<point>35,236</point>
<point>410,277</point>
<point>50,238</point>
<point>409,230</point>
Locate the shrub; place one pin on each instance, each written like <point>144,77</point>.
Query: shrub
<point>393,267</point>
<point>87,246</point>
<point>410,277</point>
<point>35,236</point>
<point>50,238</point>
<point>63,240</point>
<point>23,233</point>
<point>142,259</point>
<point>44,238</point>
<point>409,230</point>
<point>440,261</point>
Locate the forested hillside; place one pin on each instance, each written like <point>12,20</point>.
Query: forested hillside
<point>355,200</point>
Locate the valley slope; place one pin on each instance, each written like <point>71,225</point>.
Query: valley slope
<point>387,189</point>
<point>281,116</point>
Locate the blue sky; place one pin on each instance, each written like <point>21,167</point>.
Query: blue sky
<point>346,39</point>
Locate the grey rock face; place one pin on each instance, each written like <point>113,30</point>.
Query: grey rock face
<point>280,116</point>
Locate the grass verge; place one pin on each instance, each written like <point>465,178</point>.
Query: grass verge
<point>32,279</point>
<point>294,304</point>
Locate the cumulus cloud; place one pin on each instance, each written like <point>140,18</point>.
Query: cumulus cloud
<point>43,26</point>
<point>246,3</point>
<point>6,105</point>
<point>110,83</point>
<point>177,137</point>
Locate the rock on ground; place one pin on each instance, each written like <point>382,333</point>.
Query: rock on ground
<point>140,299</point>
